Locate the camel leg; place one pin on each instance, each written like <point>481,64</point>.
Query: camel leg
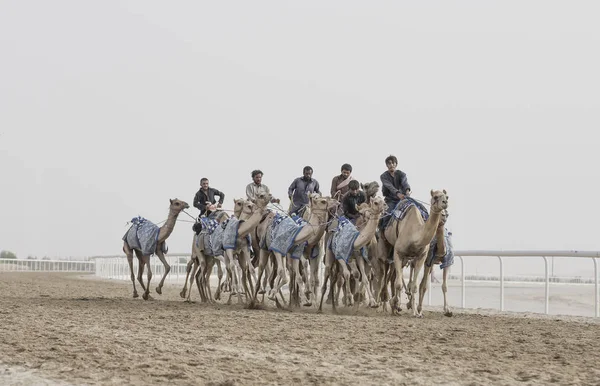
<point>346,277</point>
<point>447,311</point>
<point>146,295</point>
<point>397,299</point>
<point>262,264</point>
<point>129,254</point>
<point>220,277</point>
<point>301,283</point>
<point>281,278</point>
<point>209,268</point>
<point>423,288</point>
<point>161,257</point>
<point>188,270</point>
<point>194,266</point>
<point>245,262</point>
<point>413,286</point>
<point>407,288</point>
<point>354,281</point>
<point>200,278</point>
<point>140,274</point>
<point>326,277</point>
<point>364,280</point>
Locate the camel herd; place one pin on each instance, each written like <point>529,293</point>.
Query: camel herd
<point>371,273</point>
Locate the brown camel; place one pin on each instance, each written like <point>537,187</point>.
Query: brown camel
<point>411,238</point>
<point>176,206</point>
<point>367,226</point>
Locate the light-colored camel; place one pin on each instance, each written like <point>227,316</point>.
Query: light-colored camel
<point>197,256</point>
<point>311,232</point>
<point>440,253</point>
<point>411,238</point>
<point>370,215</point>
<point>175,207</point>
<point>242,248</point>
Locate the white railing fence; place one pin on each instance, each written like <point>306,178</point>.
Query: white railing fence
<point>116,267</point>
<point>501,255</point>
<point>16,265</point>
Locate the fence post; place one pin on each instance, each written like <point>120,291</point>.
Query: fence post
<point>501,284</point>
<point>462,281</point>
<point>547,289</point>
<point>596,287</point>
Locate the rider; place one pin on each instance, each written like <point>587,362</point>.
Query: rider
<point>352,200</point>
<point>299,190</point>
<point>395,186</point>
<point>204,199</point>
<point>339,184</point>
<point>256,187</point>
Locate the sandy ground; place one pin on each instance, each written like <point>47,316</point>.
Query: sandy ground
<point>61,328</point>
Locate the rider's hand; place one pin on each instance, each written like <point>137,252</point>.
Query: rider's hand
<point>219,205</point>
<point>400,195</point>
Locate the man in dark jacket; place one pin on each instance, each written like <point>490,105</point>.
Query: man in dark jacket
<point>395,186</point>
<point>299,190</point>
<point>206,196</point>
<point>352,200</point>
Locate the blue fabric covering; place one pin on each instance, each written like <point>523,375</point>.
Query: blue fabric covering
<point>231,233</point>
<point>283,233</point>
<point>448,258</point>
<point>402,208</point>
<point>342,242</point>
<point>142,235</point>
<point>213,242</point>
<point>209,224</point>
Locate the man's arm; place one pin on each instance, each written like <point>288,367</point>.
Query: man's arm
<point>249,192</point>
<point>388,182</point>
<point>404,183</point>
<point>197,203</point>
<point>347,205</point>
<point>317,190</point>
<point>221,196</point>
<point>292,188</point>
<point>334,186</point>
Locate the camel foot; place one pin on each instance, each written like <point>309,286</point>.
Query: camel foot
<point>136,295</point>
<point>146,296</point>
<point>328,301</point>
<point>307,303</point>
<point>159,290</point>
<point>319,311</point>
<point>448,313</point>
<point>218,296</point>
<point>419,315</point>
<point>182,294</point>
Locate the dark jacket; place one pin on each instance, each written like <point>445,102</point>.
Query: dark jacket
<point>299,191</point>
<point>350,202</point>
<point>201,198</point>
<point>393,185</point>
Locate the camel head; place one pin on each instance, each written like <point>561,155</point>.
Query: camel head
<point>316,202</point>
<point>439,200</point>
<point>238,205</point>
<point>249,208</point>
<point>262,200</point>
<point>370,188</point>
<point>178,205</point>
<point>376,207</point>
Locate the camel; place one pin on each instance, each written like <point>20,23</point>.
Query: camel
<point>444,246</point>
<point>257,210</point>
<point>194,263</point>
<point>370,215</point>
<point>370,189</point>
<point>175,207</point>
<point>310,232</point>
<point>410,238</point>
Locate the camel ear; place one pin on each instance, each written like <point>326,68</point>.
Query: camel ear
<point>170,201</point>
<point>444,192</point>
<point>431,192</point>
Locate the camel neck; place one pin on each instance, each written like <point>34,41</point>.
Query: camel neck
<point>169,225</point>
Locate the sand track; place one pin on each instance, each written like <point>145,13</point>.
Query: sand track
<point>77,329</point>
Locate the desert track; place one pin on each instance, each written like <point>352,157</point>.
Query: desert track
<point>76,329</point>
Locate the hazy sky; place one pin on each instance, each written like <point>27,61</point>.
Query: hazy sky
<point>108,109</point>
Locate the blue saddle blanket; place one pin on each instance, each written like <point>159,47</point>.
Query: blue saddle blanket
<point>448,258</point>
<point>284,230</point>
<point>402,207</point>
<point>143,236</point>
<point>342,242</point>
